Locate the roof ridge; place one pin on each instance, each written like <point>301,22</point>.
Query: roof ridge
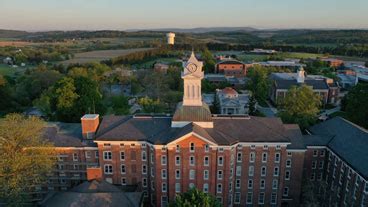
<point>352,123</point>
<point>112,126</point>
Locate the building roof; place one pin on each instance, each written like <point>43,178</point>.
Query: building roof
<point>94,193</point>
<point>226,131</point>
<point>287,84</point>
<point>295,136</point>
<point>237,62</point>
<point>192,113</point>
<point>347,140</point>
<point>229,91</point>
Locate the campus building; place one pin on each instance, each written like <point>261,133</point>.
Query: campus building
<point>232,68</point>
<point>241,160</point>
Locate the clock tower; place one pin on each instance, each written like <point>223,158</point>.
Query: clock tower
<point>192,76</point>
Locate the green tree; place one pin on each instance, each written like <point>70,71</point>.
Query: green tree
<point>150,105</point>
<point>78,71</point>
<point>356,104</point>
<point>259,83</point>
<point>300,106</point>
<point>195,198</point>
<point>89,97</point>
<point>209,61</point>
<point>120,105</point>
<point>252,105</point>
<point>26,157</point>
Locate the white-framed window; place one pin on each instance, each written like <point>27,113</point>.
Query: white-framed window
<point>191,174</point>
<point>192,147</point>
<point>88,154</point>
<point>315,153</point>
<point>264,157</point>
<point>252,146</point>
<point>314,164</point>
<point>239,157</point>
<point>278,147</point>
<point>313,176</point>
<point>163,174</point>
<point>251,170</point>
<point>205,187</point>
<point>132,145</point>
<point>263,170</point>
<point>206,148</point>
<point>177,160</point>
<point>252,157</point>
<point>177,174</point>
<point>206,174</point>
<point>122,144</point>
<point>144,155</point>
<point>108,169</point>
<point>123,169</point>
<point>322,153</point>
<point>219,175</point>
<point>219,188</point>
<point>144,146</point>
<point>107,145</point>
<point>123,181</point>
<point>163,160</point>
<point>122,155</point>
<point>177,148</point>
<point>191,185</point>
<point>191,161</point>
<point>206,161</point>
<point>220,149</point>
<point>276,171</point>
<point>321,164</point>
<point>237,198</point>
<point>220,160</point>
<point>152,184</point>
<point>177,187</point>
<point>144,182</point>
<point>285,192</point>
<point>237,183</point>
<point>289,154</point>
<point>273,198</point>
<point>319,176</point>
<point>277,157</point>
<point>287,175</point>
<point>164,187</point>
<point>75,156</point>
<point>261,198</point>
<point>144,169</point>
<point>288,163</point>
<point>250,184</point>
<point>249,198</point>
<point>275,184</point>
<point>107,155</point>
<point>262,184</point>
<point>265,147</point>
<point>238,171</point>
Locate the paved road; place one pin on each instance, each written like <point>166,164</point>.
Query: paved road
<point>269,111</point>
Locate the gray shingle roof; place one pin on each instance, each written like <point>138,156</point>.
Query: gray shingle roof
<point>192,113</point>
<point>286,84</point>
<point>348,140</point>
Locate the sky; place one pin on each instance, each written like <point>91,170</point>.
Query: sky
<point>41,15</point>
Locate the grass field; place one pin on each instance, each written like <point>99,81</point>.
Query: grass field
<point>149,64</point>
<point>99,55</point>
<point>6,70</point>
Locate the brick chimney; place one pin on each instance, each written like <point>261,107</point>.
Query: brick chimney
<point>90,124</point>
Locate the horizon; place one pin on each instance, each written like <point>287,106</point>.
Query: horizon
<point>68,15</point>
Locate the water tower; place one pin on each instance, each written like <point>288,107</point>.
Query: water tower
<point>170,38</point>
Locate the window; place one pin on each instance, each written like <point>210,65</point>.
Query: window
<point>237,183</point>
<point>249,198</point>
<point>177,160</point>
<point>191,160</point>
<point>276,171</point>
<point>163,160</point>
<point>289,154</point>
<point>250,183</point>
<point>285,192</point>
<point>164,201</point>
<point>144,146</point>
<point>219,188</point>
<point>123,170</point>
<point>264,157</point>
<point>237,198</point>
<point>275,184</point>
<point>313,176</point>
<point>314,164</point>
<point>123,181</point>
<point>163,174</point>
<point>265,147</point>
<point>220,160</point>
<point>206,161</point>
<point>96,154</point>
<point>278,147</point>
<point>366,187</point>
<point>107,155</point>
<point>288,163</point>
<point>122,156</point>
<point>144,155</point>
<point>108,169</point>
<point>251,170</point>
<point>252,157</point>
<point>322,153</point>
<point>261,198</point>
<point>122,144</point>
<point>238,170</point>
<point>205,174</point>
<point>205,187</point>
<point>144,169</point>
<point>144,182</point>
<point>321,163</point>
<point>132,145</point>
<point>262,184</point>
<point>287,175</point>
<point>75,157</point>
<point>319,176</point>
<point>107,145</point>
<point>191,147</point>
<point>164,187</point>
<point>315,153</point>
<point>239,157</point>
<point>277,157</point>
<point>192,174</point>
<point>191,185</point>
<point>177,174</point>
<point>219,174</point>
<point>263,171</point>
<point>273,198</point>
<point>88,154</point>
<point>252,146</point>
<point>177,187</point>
<point>177,148</point>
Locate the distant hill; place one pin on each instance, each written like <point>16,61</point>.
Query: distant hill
<point>204,29</point>
<point>12,33</point>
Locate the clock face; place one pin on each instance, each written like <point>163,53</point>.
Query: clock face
<point>192,67</point>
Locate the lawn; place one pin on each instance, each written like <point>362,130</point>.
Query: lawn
<point>6,70</point>
<point>149,64</point>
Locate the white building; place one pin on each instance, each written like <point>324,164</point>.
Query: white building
<point>170,38</point>
<point>231,102</point>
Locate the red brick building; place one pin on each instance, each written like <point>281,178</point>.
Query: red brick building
<point>232,68</point>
